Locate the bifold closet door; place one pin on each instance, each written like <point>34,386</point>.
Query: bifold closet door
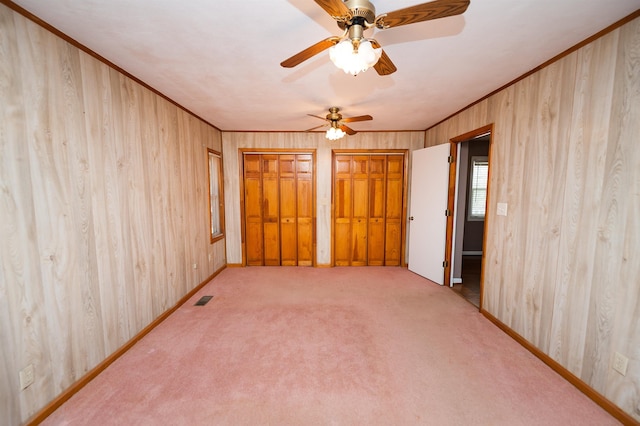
<point>279,209</point>
<point>394,198</point>
<point>270,210</point>
<point>368,206</point>
<point>377,205</point>
<point>288,222</point>
<point>253,210</point>
<point>296,209</point>
<point>305,210</point>
<point>342,203</point>
<point>359,226</point>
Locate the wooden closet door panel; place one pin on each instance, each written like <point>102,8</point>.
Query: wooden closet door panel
<point>288,222</point>
<point>393,241</point>
<point>394,210</point>
<point>270,209</point>
<point>342,166</point>
<point>342,228</point>
<point>305,216</point>
<point>359,220</point>
<point>270,198</point>
<point>359,166</point>
<point>376,242</point>
<point>377,179</point>
<point>342,193</point>
<point>359,242</point>
<point>376,228</point>
<point>253,209</point>
<point>360,178</point>
<point>253,228</point>
<point>305,228</point>
<point>271,245</point>
<point>288,204</point>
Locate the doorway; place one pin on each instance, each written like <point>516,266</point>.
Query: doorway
<point>470,200</point>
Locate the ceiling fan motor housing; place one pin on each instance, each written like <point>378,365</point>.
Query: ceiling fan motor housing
<point>334,115</point>
<point>362,10</point>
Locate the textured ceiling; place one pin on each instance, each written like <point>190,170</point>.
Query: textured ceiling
<point>220,59</point>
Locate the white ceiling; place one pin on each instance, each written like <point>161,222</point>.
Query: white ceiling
<point>221,59</point>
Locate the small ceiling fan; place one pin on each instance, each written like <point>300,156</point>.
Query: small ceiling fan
<point>335,121</point>
<point>357,16</point>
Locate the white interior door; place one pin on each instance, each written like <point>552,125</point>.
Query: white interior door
<point>428,222</point>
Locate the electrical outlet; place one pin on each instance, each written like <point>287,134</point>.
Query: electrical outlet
<point>26,377</point>
<point>620,363</point>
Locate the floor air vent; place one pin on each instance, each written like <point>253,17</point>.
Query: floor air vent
<point>203,300</point>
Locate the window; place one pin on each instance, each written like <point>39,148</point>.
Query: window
<point>478,188</point>
<point>216,199</point>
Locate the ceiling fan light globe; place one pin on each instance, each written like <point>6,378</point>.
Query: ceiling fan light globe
<point>369,55</point>
<point>345,57</point>
<point>334,133</point>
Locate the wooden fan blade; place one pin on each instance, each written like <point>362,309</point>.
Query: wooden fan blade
<point>348,130</point>
<point>358,118</point>
<point>384,66</point>
<point>422,12</point>
<point>309,52</point>
<point>317,116</point>
<point>336,8</point>
<point>317,127</point>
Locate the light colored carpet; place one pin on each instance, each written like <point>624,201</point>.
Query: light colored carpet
<point>328,346</point>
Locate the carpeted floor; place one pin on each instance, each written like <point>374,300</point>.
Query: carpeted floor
<point>328,346</point>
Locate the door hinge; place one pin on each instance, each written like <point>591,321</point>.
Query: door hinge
<point>447,212</point>
<point>450,159</point>
<point>445,264</point>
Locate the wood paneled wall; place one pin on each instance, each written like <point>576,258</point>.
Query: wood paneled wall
<point>233,141</point>
<point>562,267</point>
<point>103,211</point>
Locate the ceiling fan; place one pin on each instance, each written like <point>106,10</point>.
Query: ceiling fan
<point>335,121</point>
<point>357,16</point>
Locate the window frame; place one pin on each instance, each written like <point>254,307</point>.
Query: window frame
<point>472,189</point>
<point>219,188</point>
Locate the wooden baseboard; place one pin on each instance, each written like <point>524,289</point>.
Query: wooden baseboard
<point>318,265</point>
<point>84,380</point>
<point>596,397</point>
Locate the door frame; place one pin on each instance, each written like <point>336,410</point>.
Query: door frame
<point>241,154</point>
<point>405,154</point>
<point>453,181</point>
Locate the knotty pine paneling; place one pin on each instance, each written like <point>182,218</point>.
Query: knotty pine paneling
<point>561,268</point>
<point>234,141</point>
<point>103,211</point>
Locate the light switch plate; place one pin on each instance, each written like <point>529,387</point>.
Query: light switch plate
<point>620,363</point>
